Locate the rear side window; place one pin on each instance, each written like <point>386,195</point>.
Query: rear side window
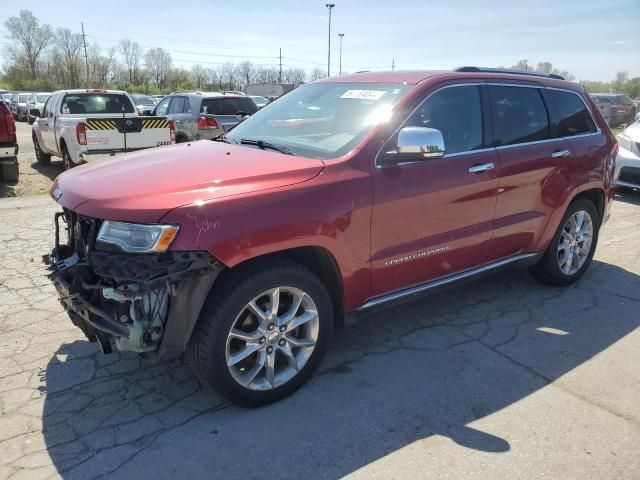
<point>229,106</point>
<point>519,115</point>
<point>177,105</point>
<point>569,114</point>
<point>95,103</point>
<point>457,113</point>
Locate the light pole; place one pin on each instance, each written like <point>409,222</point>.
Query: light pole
<point>341,35</point>
<point>329,6</point>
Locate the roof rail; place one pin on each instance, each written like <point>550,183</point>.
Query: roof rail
<point>509,70</point>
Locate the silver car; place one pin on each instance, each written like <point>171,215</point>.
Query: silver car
<point>627,173</point>
<point>36,102</point>
<point>204,115</point>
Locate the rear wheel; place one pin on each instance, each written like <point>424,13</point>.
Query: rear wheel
<point>67,163</point>
<point>43,158</point>
<point>263,333</point>
<point>571,250</point>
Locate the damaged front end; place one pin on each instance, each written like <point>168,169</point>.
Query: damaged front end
<point>140,302</point>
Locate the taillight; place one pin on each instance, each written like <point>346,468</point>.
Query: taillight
<point>205,123</point>
<point>623,109</point>
<point>172,131</point>
<point>81,133</point>
<point>11,123</point>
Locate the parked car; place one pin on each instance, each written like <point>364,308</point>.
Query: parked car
<point>260,101</point>
<point>627,173</point>
<point>85,125</point>
<point>605,105</point>
<point>8,146</point>
<point>6,98</point>
<point>203,115</point>
<point>35,103</point>
<point>143,102</point>
<point>19,106</point>
<point>346,194</point>
<point>623,110</point>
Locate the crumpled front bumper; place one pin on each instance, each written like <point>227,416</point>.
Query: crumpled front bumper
<point>137,302</point>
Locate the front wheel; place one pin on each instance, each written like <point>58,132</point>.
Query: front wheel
<point>571,250</point>
<point>263,333</point>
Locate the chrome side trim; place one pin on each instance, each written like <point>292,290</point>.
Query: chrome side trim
<point>443,281</point>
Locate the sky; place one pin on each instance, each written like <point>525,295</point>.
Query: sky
<point>592,39</point>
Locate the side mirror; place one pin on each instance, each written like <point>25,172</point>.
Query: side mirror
<point>421,142</point>
<point>147,112</point>
<point>34,112</point>
<point>637,116</point>
<point>414,144</point>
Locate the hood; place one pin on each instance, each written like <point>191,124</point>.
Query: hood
<point>144,186</point>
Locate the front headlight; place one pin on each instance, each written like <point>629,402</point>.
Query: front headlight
<point>138,238</point>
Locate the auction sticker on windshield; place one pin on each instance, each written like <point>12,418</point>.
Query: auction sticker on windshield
<point>363,94</point>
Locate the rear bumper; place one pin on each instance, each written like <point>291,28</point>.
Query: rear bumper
<point>91,155</point>
<point>8,150</point>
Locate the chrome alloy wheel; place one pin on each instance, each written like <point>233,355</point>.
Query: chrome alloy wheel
<point>575,242</point>
<point>272,338</point>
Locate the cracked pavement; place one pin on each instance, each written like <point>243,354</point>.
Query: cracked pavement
<point>497,378</point>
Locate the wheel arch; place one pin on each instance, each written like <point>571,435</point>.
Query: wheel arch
<point>317,259</point>
<point>595,196</point>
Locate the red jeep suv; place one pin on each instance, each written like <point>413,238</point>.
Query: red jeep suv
<point>342,195</point>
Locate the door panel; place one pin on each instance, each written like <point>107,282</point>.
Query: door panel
<point>433,217</point>
<point>530,179</point>
<point>531,163</point>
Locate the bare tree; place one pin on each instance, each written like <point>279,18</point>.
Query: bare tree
<point>158,62</point>
<point>199,75</point>
<point>28,39</point>
<point>68,48</point>
<point>293,75</point>
<point>131,53</point>
<point>246,72</point>
<point>316,74</point>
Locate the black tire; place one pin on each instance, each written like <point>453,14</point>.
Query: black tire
<point>548,270</point>
<point>207,346</point>
<point>67,163</point>
<point>9,171</point>
<point>43,158</point>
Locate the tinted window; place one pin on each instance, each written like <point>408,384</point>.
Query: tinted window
<point>79,103</point>
<point>569,114</point>
<point>519,115</point>
<point>624,100</point>
<point>457,113</point>
<point>161,108</point>
<point>177,105</point>
<point>228,106</point>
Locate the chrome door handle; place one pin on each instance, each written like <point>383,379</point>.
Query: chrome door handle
<point>482,168</point>
<point>560,153</point>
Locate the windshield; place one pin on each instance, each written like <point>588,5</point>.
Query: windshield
<point>75,103</point>
<point>23,97</point>
<point>322,120</point>
<point>43,97</point>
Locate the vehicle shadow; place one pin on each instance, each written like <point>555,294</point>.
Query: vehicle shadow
<point>628,195</point>
<point>6,189</point>
<point>50,171</point>
<point>422,371</point>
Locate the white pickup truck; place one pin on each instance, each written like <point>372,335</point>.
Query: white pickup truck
<point>82,125</point>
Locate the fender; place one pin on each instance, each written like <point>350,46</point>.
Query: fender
<point>331,211</point>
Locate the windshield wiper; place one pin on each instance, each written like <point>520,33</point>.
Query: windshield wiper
<point>221,138</point>
<point>264,145</point>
